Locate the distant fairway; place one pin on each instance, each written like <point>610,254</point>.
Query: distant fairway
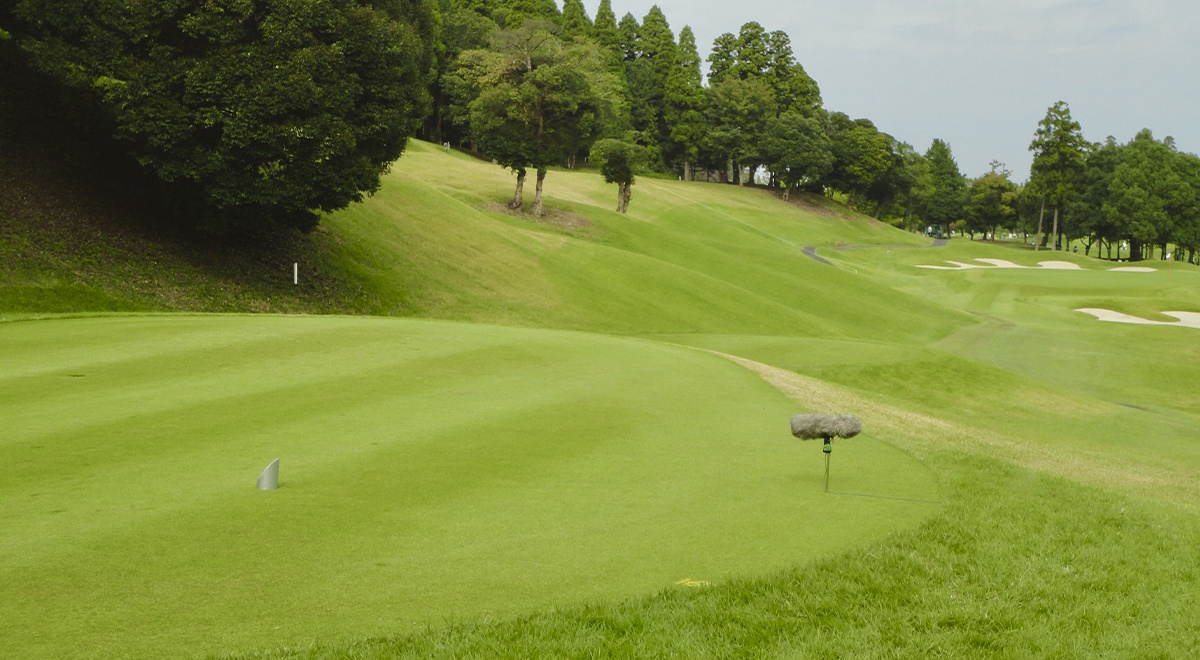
<point>429,470</point>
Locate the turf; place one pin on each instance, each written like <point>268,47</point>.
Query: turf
<point>1062,449</point>
<point>430,470</point>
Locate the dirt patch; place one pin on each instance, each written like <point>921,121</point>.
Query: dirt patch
<point>815,208</point>
<point>571,223</point>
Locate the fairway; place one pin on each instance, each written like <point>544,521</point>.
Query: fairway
<point>430,470</point>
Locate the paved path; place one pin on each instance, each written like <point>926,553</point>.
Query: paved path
<point>810,251</point>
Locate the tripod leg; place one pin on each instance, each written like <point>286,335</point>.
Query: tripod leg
<point>828,448</point>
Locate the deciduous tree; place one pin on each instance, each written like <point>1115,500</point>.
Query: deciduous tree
<point>533,101</point>
<point>618,160</point>
<point>738,111</point>
<point>252,112</point>
<point>797,150</point>
<point>991,202</point>
<point>861,154</point>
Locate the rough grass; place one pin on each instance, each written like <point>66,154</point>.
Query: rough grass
<point>1018,565</point>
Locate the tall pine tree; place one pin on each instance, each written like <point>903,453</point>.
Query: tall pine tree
<point>683,106</point>
<point>575,22</point>
<point>942,193</point>
<point>1058,148</point>
<point>608,38</point>
<point>755,53</point>
<point>657,61</point>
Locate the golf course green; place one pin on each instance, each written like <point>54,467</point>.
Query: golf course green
<point>429,470</point>
<point>567,436</point>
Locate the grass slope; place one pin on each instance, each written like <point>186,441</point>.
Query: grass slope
<point>1064,446</point>
<point>688,257</point>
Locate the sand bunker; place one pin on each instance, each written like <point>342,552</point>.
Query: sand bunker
<point>1002,263</point>
<point>1048,265</point>
<point>1186,319</point>
<point>957,266</point>
<point>1060,265</point>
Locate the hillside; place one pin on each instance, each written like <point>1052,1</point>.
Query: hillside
<point>435,243</point>
<point>1027,482</point>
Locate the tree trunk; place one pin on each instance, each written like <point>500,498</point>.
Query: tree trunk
<point>687,170</point>
<point>519,197</point>
<point>1135,250</point>
<point>626,195</point>
<point>1054,232</point>
<point>1040,240</point>
<point>537,196</point>
<point>440,103</point>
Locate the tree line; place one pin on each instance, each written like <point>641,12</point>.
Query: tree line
<point>1144,193</point>
<point>256,111</point>
<point>532,86</point>
<point>1142,196</point>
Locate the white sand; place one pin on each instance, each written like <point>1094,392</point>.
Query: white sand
<point>1001,263</point>
<point>1060,265</point>
<point>1048,265</point>
<point>1186,319</point>
<point>958,265</point>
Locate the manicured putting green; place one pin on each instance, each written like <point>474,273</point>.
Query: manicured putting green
<point>430,470</point>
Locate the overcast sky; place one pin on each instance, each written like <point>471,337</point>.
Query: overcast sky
<point>980,74</point>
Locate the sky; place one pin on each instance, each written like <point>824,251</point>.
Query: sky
<point>980,74</point>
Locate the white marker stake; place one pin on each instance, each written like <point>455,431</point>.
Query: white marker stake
<point>296,273</point>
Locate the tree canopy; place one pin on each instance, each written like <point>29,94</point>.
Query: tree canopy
<point>618,161</point>
<point>797,150</point>
<point>252,112</point>
<point>1058,149</point>
<point>941,193</point>
<point>532,100</point>
<point>991,202</point>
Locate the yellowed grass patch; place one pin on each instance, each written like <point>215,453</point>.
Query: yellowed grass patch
<point>924,435</point>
